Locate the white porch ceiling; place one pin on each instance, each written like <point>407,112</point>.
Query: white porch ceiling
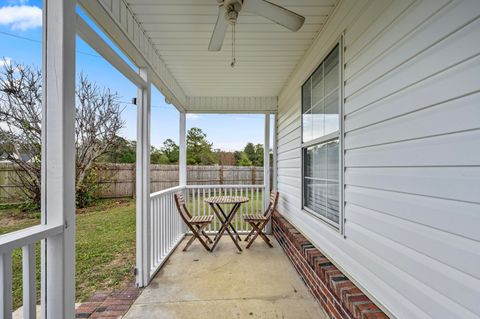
<point>267,54</point>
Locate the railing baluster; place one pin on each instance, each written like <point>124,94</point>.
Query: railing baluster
<point>256,208</point>
<point>204,212</point>
<point>161,230</point>
<point>6,285</point>
<point>154,208</point>
<point>169,225</point>
<point>236,216</point>
<point>172,222</point>
<point>29,281</point>
<point>242,210</point>
<point>153,239</point>
<point>163,234</point>
<point>252,205</point>
<point>198,202</point>
<point>215,215</point>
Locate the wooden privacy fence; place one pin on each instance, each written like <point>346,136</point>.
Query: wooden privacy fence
<point>118,180</point>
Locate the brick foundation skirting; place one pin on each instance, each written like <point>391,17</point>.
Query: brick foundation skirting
<point>338,296</point>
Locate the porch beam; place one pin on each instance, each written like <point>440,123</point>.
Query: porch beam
<point>120,25</point>
<point>58,158</point>
<point>182,161</point>
<point>143,261</point>
<point>91,37</point>
<point>231,104</point>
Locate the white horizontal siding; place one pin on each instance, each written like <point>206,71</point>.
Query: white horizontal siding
<point>412,154</point>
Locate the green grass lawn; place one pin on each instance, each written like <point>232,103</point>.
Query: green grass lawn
<point>105,246</point>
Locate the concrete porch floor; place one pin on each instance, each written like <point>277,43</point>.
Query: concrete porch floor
<point>258,283</point>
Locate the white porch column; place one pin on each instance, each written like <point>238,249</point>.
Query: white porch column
<point>266,166</point>
<point>274,153</point>
<point>143,182</point>
<point>58,158</point>
<point>182,160</point>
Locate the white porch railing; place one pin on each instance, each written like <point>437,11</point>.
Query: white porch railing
<point>166,227</point>
<point>27,240</point>
<point>197,206</point>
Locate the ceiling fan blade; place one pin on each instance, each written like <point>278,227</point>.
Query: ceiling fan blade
<point>219,31</point>
<point>275,13</point>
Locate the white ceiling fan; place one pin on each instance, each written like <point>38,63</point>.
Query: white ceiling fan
<point>228,11</point>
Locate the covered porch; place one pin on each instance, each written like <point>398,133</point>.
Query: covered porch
<point>198,82</point>
<point>378,211</point>
<point>259,283</point>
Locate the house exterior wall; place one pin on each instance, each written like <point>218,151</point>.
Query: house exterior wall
<point>412,154</point>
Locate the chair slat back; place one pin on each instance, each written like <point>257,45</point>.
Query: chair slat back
<point>272,205</point>
<point>182,207</point>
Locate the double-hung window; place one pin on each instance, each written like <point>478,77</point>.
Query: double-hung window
<point>321,134</point>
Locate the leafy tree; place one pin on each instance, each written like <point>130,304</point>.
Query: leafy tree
<point>199,150</point>
<point>122,151</point>
<point>158,156</point>
<point>244,160</point>
<point>249,150</point>
<point>254,154</point>
<point>238,156</point>
<point>258,155</point>
<point>171,150</point>
<point>97,124</point>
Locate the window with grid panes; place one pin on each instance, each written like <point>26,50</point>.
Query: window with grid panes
<point>321,116</point>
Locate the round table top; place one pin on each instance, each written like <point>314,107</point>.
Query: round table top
<point>226,199</point>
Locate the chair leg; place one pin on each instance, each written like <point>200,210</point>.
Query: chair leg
<point>207,237</point>
<point>257,227</point>
<point>196,231</point>
<point>253,231</point>
<point>249,234</point>
<point>191,240</point>
<point>204,244</point>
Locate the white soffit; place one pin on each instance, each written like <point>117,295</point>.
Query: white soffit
<point>267,54</point>
<point>231,104</point>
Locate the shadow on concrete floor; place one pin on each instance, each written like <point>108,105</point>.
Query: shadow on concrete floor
<point>258,283</point>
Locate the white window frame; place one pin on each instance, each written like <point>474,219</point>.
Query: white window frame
<point>326,138</point>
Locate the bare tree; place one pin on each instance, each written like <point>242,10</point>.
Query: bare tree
<point>98,121</point>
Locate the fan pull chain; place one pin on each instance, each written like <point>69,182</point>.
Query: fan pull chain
<point>233,47</point>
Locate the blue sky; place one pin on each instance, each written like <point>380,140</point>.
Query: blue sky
<point>20,41</point>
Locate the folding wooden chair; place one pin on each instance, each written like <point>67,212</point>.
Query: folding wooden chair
<point>258,221</point>
<point>196,223</point>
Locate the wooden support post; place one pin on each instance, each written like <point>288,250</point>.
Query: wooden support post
<point>58,158</point>
<point>143,181</point>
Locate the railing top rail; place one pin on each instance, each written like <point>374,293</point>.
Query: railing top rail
<point>167,191</point>
<point>225,186</point>
<point>27,236</point>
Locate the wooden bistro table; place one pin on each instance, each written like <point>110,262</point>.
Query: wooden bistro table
<point>226,219</point>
